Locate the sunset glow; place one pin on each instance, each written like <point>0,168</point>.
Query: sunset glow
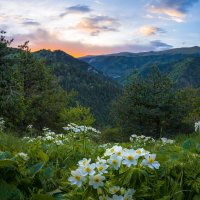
<point>101,27</point>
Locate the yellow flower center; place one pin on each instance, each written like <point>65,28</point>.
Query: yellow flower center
<point>151,160</point>
<point>84,162</point>
<point>112,150</point>
<point>87,169</point>
<point>101,168</point>
<point>77,177</point>
<point>114,162</point>
<point>138,152</point>
<point>130,157</point>
<point>119,153</point>
<point>96,179</point>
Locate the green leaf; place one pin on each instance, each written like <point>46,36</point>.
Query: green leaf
<point>36,168</point>
<point>187,144</point>
<point>42,197</point>
<point>43,156</point>
<point>7,163</point>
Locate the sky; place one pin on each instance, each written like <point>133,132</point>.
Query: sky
<point>93,27</point>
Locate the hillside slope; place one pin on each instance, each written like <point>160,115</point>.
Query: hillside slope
<point>94,89</point>
<point>120,66</point>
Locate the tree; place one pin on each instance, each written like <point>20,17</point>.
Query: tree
<point>149,106</point>
<point>31,94</point>
<point>79,115</point>
<point>11,97</point>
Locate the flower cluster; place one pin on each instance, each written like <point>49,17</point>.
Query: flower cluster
<point>141,139</point>
<point>49,137</point>
<point>118,193</point>
<point>78,129</point>
<point>166,141</point>
<point>94,174</point>
<point>22,155</point>
<point>197,126</point>
<point>82,131</point>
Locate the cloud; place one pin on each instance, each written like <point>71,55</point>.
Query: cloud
<point>176,9</point>
<point>97,24</point>
<point>77,9</point>
<point>151,30</point>
<point>42,39</point>
<point>31,23</point>
<point>159,45</point>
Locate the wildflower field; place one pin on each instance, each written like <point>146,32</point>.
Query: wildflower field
<point>75,165</point>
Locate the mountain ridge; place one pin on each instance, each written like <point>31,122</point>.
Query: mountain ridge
<point>120,66</point>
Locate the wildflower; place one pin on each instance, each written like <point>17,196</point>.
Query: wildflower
<point>102,168</point>
<point>115,161</point>
<point>23,155</point>
<point>130,192</point>
<point>114,189</point>
<point>58,142</point>
<point>30,126</point>
<point>197,126</point>
<point>100,160</point>
<point>140,152</point>
<point>128,197</point>
<point>167,141</point>
<point>77,178</point>
<point>118,197</point>
<point>96,181</point>
<point>130,158</point>
<point>84,162</point>
<point>150,161</point>
<point>88,169</point>
<point>103,197</point>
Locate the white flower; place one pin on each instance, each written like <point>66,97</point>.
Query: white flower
<point>118,197</point>
<point>77,178</point>
<point>84,162</point>
<point>58,142</point>
<point>128,197</point>
<point>109,152</point>
<point>140,152</point>
<point>30,126</point>
<point>150,161</point>
<point>167,141</point>
<point>101,167</point>
<point>103,197</point>
<point>130,158</point>
<point>100,160</point>
<point>114,189</point>
<point>66,128</point>
<point>130,192</point>
<point>197,126</point>
<point>88,169</point>
<point>96,181</point>
<point>115,161</point>
<point>23,155</point>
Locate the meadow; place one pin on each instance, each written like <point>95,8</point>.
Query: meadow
<point>77,164</point>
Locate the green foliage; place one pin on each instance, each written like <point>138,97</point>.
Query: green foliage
<point>181,65</point>
<point>150,106</point>
<point>190,101</point>
<point>31,94</point>
<point>78,115</point>
<point>94,90</point>
<point>44,173</point>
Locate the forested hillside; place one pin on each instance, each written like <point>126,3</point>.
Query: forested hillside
<point>94,90</point>
<point>182,65</point>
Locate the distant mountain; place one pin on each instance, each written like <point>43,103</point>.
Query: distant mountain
<point>181,64</point>
<point>95,90</point>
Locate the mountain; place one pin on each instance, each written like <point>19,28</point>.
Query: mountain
<point>181,64</point>
<point>94,89</point>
